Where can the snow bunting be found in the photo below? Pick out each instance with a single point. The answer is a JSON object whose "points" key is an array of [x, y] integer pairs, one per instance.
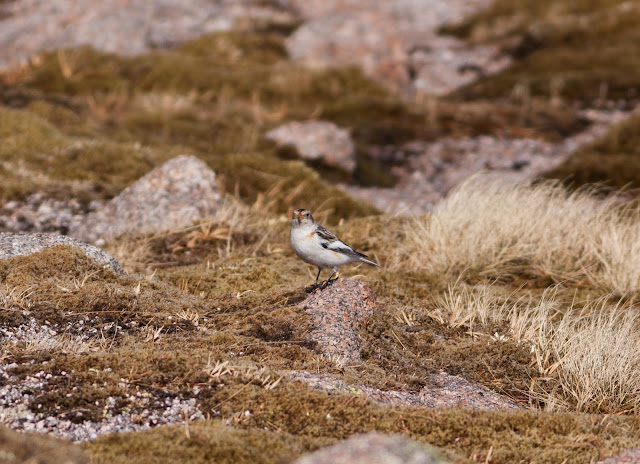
{"points": [[316, 245]]}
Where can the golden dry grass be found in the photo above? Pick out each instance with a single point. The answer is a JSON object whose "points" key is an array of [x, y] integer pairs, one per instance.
{"points": [[496, 229], [494, 233], [597, 348], [588, 351]]}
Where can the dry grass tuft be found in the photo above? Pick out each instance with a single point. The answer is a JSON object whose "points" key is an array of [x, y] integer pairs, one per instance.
{"points": [[232, 225], [262, 376], [466, 305], [588, 351], [617, 251], [499, 230], [15, 298], [597, 352]]}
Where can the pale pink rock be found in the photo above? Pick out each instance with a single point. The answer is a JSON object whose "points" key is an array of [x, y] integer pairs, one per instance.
{"points": [[318, 140], [176, 194], [338, 312], [374, 448], [362, 38]]}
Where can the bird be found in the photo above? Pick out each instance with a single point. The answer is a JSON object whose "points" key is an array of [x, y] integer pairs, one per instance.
{"points": [[316, 245]]}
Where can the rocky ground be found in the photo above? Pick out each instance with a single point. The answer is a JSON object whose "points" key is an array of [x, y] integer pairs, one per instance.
{"points": [[205, 327]]}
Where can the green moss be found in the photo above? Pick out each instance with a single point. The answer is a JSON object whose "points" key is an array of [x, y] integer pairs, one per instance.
{"points": [[585, 49], [613, 160], [291, 183], [57, 262], [208, 441], [51, 160], [293, 419], [217, 96], [44, 157]]}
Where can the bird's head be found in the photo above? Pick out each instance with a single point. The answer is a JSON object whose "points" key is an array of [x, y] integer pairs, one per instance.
{"points": [[301, 217]]}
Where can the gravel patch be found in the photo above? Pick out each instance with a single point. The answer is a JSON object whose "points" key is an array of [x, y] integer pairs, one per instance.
{"points": [[39, 214], [143, 409], [16, 395]]}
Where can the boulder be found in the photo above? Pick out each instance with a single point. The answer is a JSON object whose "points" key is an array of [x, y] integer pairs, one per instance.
{"points": [[176, 194], [338, 311], [375, 448], [362, 38], [25, 244], [318, 140], [35, 448]]}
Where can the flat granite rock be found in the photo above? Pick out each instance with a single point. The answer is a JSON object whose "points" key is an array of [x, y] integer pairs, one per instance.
{"points": [[375, 448], [442, 390], [318, 140], [25, 244]]}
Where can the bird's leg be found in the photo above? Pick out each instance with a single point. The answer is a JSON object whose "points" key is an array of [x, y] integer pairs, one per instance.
{"points": [[315, 284], [328, 281]]}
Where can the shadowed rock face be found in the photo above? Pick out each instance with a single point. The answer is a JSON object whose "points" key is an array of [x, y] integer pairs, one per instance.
{"points": [[338, 311], [25, 244], [176, 194], [374, 448]]}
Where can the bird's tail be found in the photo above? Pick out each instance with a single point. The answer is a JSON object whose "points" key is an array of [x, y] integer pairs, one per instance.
{"points": [[364, 260]]}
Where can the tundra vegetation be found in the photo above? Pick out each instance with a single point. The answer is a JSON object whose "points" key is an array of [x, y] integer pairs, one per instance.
{"points": [[530, 291]]}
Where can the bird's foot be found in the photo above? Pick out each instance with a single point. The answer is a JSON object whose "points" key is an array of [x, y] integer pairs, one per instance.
{"points": [[327, 282]]}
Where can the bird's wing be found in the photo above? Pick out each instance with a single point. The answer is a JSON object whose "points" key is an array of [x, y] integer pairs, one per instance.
{"points": [[330, 241], [325, 235]]}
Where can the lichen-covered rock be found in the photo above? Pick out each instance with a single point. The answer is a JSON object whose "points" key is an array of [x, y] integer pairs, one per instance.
{"points": [[119, 27], [25, 244], [318, 140], [441, 390], [630, 457], [176, 194], [375, 448], [338, 311], [396, 43], [364, 38]]}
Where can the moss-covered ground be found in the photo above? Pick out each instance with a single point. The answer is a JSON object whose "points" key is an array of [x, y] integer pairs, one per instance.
{"points": [[579, 50], [164, 334], [614, 160], [84, 124], [573, 53], [72, 110]]}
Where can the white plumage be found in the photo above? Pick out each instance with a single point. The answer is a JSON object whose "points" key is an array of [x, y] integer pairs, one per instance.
{"points": [[316, 245]]}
